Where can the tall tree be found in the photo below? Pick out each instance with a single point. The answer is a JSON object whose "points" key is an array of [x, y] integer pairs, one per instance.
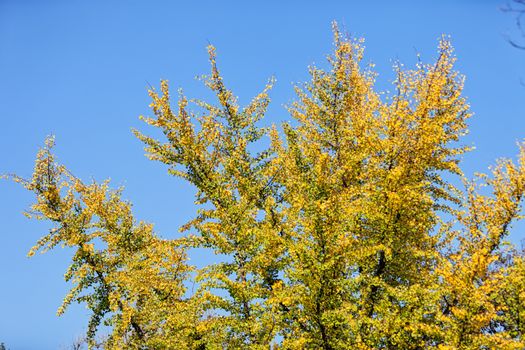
{"points": [[344, 231]]}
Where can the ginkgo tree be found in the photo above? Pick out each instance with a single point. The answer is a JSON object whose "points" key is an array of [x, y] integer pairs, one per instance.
{"points": [[345, 229]]}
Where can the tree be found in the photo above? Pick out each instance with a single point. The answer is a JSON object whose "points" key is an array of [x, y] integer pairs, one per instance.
{"points": [[345, 232], [517, 7]]}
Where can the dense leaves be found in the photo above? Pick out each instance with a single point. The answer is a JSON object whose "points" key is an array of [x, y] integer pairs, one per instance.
{"points": [[344, 231]]}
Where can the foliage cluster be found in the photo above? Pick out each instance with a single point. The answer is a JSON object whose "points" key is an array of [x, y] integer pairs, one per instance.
{"points": [[346, 232]]}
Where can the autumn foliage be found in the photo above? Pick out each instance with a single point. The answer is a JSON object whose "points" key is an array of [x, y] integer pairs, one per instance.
{"points": [[348, 230]]}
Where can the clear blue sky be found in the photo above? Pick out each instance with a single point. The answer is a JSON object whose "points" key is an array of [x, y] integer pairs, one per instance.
{"points": [[80, 69]]}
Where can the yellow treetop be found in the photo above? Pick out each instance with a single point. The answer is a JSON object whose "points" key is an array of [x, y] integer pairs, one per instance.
{"points": [[343, 229]]}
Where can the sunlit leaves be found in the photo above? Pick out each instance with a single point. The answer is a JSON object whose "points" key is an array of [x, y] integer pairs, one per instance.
{"points": [[344, 229]]}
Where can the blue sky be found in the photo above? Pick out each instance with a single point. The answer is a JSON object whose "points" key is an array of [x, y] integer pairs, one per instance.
{"points": [[80, 70]]}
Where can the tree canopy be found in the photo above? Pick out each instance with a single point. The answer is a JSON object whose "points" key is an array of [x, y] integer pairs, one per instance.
{"points": [[344, 229]]}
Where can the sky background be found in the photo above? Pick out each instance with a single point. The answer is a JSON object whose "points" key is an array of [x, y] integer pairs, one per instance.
{"points": [[80, 70]]}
